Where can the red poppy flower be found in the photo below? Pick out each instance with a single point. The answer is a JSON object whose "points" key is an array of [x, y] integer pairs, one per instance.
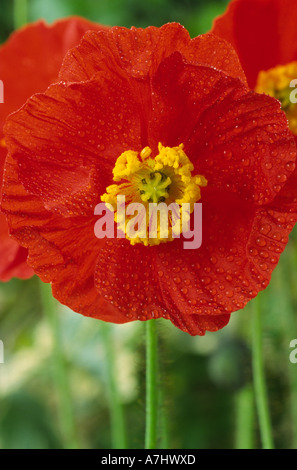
{"points": [[264, 35], [30, 62], [139, 111]]}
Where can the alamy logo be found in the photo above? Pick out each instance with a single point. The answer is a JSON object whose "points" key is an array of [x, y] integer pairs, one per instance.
{"points": [[1, 92], [293, 354], [293, 94], [150, 222], [1, 352]]}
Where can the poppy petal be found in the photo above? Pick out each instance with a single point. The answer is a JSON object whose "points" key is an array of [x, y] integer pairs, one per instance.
{"points": [[131, 281], [68, 160], [55, 253], [263, 33], [32, 56], [199, 324], [238, 139], [241, 247], [138, 52], [136, 286], [13, 257], [30, 61]]}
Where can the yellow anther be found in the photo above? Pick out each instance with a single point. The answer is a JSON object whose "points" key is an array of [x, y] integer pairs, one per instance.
{"points": [[126, 165], [276, 82], [167, 178], [145, 153]]}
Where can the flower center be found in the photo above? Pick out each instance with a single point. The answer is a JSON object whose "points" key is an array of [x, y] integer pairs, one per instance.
{"points": [[154, 187], [276, 82], [166, 179]]}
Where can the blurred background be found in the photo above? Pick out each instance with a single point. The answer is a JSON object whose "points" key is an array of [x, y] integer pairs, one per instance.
{"points": [[55, 385]]}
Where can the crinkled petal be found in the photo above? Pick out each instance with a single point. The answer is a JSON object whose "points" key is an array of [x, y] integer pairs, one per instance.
{"points": [[138, 52], [32, 57], [67, 140], [62, 250], [199, 289], [263, 33], [199, 324], [13, 258], [131, 281], [237, 139], [134, 283], [240, 249], [30, 61]]}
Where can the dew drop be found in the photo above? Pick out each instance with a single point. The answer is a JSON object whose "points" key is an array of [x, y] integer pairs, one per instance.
{"points": [[265, 229]]}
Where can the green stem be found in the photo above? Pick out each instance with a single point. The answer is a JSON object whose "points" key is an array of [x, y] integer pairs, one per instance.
{"points": [[20, 13], [244, 419], [259, 379], [287, 270], [163, 395], [118, 435], [151, 385], [164, 442], [67, 421]]}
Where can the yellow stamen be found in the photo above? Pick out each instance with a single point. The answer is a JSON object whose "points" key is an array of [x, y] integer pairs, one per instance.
{"points": [[167, 178], [276, 82]]}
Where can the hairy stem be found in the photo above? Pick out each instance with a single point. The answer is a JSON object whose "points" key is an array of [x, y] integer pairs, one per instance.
{"points": [[244, 418], [118, 434], [151, 385], [60, 376], [259, 379]]}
